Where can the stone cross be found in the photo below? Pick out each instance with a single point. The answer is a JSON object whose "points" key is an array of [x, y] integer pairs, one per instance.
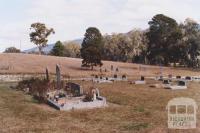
{"points": [[47, 74], [58, 77]]}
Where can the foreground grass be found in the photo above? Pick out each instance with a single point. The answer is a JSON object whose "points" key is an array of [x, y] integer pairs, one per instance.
{"points": [[132, 109]]}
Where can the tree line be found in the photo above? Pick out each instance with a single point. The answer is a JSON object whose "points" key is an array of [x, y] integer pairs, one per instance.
{"points": [[165, 42]]}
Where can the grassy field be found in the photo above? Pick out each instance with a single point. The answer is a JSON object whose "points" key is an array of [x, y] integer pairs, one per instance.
{"points": [[36, 64], [131, 109]]}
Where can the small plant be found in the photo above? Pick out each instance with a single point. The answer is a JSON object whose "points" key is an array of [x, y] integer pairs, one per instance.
{"points": [[136, 126], [140, 109]]}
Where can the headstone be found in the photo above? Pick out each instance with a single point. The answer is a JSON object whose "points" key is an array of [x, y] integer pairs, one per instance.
{"points": [[160, 78], [112, 68], [181, 83], [124, 77], [188, 78], [58, 77], [97, 92], [105, 70], [96, 77], [47, 74], [166, 82], [75, 89], [117, 69], [142, 78]]}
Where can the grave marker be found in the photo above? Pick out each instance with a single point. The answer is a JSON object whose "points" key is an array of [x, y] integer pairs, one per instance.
{"points": [[47, 74], [58, 77]]}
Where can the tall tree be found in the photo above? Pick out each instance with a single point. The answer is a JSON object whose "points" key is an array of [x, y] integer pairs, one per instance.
{"points": [[191, 41], [58, 49], [92, 48], [163, 33], [39, 34]]}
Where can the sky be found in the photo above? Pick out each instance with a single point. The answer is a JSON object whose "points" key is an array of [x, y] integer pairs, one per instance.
{"points": [[70, 18]]}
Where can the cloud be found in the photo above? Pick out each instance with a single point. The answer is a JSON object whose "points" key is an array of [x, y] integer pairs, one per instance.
{"points": [[70, 18]]}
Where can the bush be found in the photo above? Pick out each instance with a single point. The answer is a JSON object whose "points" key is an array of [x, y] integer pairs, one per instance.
{"points": [[36, 87]]}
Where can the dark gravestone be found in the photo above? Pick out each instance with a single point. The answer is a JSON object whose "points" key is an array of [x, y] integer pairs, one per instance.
{"points": [[160, 78], [142, 78], [117, 69], [58, 77], [123, 76], [181, 83], [165, 81], [47, 74], [75, 89], [105, 70], [96, 76], [188, 78]]}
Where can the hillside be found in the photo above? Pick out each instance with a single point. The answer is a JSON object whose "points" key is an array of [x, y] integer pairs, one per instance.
{"points": [[31, 64]]}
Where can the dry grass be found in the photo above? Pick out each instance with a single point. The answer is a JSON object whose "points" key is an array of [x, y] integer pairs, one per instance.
{"points": [[132, 109], [34, 64]]}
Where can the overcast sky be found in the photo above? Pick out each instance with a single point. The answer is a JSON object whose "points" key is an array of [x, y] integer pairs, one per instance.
{"points": [[70, 18]]}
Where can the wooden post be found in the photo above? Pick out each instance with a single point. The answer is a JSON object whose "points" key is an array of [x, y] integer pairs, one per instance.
{"points": [[47, 74]]}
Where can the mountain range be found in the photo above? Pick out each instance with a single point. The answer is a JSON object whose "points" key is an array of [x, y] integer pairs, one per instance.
{"points": [[49, 47]]}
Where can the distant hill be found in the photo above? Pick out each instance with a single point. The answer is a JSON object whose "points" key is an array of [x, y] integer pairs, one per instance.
{"points": [[34, 64], [49, 47]]}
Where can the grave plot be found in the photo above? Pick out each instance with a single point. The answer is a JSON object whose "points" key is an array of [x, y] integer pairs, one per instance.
{"points": [[196, 78], [166, 84], [181, 85], [73, 97], [139, 82]]}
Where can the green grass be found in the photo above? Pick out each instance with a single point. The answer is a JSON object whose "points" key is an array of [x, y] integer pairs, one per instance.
{"points": [[135, 126]]}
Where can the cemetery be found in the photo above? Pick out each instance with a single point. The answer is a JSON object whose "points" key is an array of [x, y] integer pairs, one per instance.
{"points": [[82, 100], [102, 100], [100, 66]]}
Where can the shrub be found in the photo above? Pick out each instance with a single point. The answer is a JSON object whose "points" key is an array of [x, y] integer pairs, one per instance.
{"points": [[37, 87]]}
